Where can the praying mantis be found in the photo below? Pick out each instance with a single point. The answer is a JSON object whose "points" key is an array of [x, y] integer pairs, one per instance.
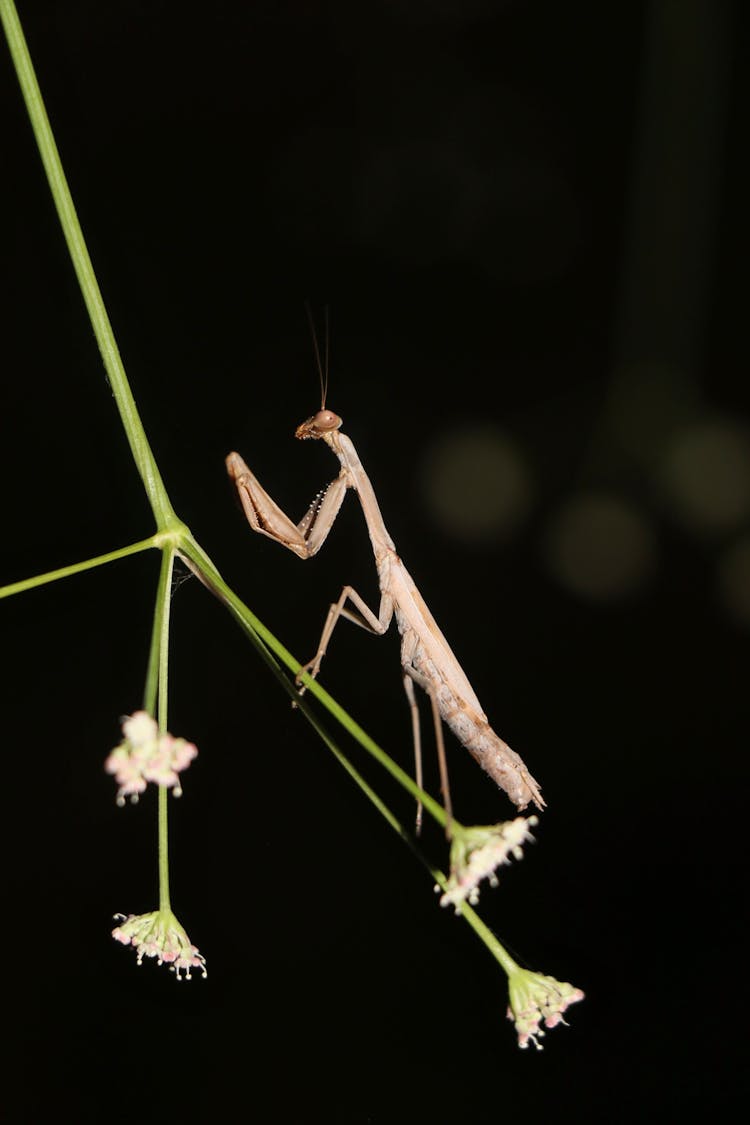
{"points": [[426, 658]]}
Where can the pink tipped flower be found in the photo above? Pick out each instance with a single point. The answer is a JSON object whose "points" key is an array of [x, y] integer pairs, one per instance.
{"points": [[535, 998], [477, 852], [145, 755], [160, 935]]}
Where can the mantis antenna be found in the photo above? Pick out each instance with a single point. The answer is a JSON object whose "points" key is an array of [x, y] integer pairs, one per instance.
{"points": [[322, 368]]}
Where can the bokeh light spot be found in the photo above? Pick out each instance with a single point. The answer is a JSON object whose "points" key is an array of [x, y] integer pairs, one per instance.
{"points": [[600, 547], [705, 476], [475, 483]]}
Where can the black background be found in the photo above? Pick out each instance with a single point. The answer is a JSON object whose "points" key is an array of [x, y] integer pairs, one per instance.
{"points": [[480, 192]]}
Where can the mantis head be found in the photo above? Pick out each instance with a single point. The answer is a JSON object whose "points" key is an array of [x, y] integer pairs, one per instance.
{"points": [[320, 425]]}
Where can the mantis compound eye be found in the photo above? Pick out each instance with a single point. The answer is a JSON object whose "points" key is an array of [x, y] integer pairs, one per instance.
{"points": [[326, 420], [321, 423]]}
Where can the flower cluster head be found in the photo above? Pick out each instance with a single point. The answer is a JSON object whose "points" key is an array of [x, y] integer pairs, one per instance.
{"points": [[160, 935], [535, 998], [477, 852], [146, 755]]}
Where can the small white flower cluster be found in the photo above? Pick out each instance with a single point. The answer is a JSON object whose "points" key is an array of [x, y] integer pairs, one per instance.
{"points": [[477, 852], [145, 755], [535, 998], [160, 935]]}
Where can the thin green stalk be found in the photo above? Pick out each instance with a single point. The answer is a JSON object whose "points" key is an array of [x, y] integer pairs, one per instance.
{"points": [[139, 446], [163, 834], [161, 613], [164, 605], [157, 683], [163, 608], [76, 568]]}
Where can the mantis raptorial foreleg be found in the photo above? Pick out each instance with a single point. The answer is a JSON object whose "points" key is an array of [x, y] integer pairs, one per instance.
{"points": [[264, 514]]}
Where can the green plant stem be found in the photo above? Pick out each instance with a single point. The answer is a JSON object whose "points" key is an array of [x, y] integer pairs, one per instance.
{"points": [[164, 605], [76, 568], [163, 838], [139, 446], [161, 613], [155, 701]]}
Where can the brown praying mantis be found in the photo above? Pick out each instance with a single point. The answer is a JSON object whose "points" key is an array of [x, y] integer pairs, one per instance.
{"points": [[426, 658]]}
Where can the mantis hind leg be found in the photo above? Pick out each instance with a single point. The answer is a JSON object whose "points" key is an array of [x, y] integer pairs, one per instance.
{"points": [[411, 677], [417, 740]]}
